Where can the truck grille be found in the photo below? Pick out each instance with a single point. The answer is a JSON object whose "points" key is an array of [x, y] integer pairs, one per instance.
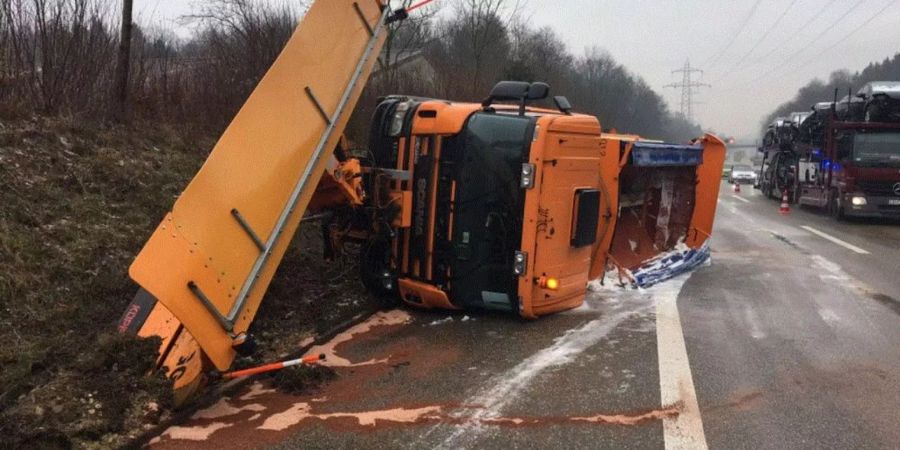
{"points": [[889, 210], [876, 187]]}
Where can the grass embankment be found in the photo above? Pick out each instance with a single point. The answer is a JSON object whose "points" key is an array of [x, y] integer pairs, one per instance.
{"points": [[76, 205]]}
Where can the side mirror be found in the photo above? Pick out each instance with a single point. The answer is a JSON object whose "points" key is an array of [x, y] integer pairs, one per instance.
{"points": [[508, 90], [563, 104], [538, 91], [518, 91]]}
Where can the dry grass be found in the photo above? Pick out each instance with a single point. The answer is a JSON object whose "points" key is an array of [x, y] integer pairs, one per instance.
{"points": [[77, 202]]}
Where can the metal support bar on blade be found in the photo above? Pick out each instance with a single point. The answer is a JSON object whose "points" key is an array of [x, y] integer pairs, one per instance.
{"points": [[227, 324], [246, 226], [315, 102], [316, 217], [362, 17], [253, 276]]}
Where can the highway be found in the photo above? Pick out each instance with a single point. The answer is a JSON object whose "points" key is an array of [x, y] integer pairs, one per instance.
{"points": [[789, 338]]}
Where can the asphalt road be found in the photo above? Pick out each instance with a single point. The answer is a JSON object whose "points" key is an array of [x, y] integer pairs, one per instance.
{"points": [[790, 338]]}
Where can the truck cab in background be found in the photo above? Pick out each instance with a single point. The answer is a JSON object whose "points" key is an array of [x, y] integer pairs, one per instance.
{"points": [[856, 172]]}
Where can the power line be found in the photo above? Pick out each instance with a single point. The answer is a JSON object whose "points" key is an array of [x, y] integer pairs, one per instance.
{"points": [[802, 27], [791, 59], [734, 37], [855, 30], [765, 35], [688, 87]]}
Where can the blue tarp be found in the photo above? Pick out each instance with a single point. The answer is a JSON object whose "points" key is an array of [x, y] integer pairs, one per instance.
{"points": [[670, 265]]}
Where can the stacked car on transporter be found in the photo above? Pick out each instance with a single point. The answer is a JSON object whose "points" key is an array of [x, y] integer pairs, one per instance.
{"points": [[844, 156], [780, 156]]}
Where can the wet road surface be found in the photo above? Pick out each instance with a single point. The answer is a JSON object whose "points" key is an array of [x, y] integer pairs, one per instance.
{"points": [[788, 339]]}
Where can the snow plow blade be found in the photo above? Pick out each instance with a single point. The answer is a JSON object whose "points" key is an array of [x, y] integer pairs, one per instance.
{"points": [[205, 269], [666, 206]]}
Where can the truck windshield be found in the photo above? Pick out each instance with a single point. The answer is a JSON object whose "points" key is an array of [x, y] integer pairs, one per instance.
{"points": [[487, 213], [877, 149]]}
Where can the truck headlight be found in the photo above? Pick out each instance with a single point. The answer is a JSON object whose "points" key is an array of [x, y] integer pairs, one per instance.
{"points": [[520, 263], [858, 201], [527, 181], [399, 118]]}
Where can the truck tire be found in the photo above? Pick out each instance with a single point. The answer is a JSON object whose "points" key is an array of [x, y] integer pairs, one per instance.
{"points": [[376, 275], [835, 208], [769, 190]]}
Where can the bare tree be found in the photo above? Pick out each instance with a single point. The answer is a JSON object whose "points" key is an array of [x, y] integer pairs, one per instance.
{"points": [[471, 48], [405, 39], [60, 56], [124, 62], [60, 52], [540, 55], [238, 42]]}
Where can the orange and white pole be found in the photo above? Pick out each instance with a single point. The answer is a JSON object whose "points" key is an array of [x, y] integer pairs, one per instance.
{"points": [[311, 359]]}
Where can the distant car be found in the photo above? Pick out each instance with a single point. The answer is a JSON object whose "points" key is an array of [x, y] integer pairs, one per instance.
{"points": [[742, 174]]}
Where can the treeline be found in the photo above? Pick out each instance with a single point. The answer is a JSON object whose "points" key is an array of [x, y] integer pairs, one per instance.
{"points": [[842, 80], [59, 57]]}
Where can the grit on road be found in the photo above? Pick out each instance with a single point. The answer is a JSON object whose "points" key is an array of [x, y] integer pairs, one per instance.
{"points": [[790, 338]]}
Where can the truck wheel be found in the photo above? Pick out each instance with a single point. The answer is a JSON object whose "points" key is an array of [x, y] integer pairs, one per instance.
{"points": [[376, 274], [835, 208]]}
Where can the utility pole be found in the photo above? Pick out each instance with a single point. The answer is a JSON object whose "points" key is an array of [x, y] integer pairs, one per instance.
{"points": [[124, 63], [688, 88]]}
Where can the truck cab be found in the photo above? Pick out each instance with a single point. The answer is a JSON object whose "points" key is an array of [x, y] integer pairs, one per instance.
{"points": [[858, 171], [512, 207]]}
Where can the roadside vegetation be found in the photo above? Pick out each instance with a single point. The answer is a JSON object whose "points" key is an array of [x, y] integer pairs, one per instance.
{"points": [[84, 179]]}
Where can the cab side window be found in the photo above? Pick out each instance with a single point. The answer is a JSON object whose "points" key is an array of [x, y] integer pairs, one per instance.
{"points": [[844, 147]]}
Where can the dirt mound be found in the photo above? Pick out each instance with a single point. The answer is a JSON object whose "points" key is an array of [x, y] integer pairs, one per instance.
{"points": [[77, 202], [298, 379]]}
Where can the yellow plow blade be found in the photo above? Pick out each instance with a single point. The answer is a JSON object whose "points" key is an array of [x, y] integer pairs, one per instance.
{"points": [[211, 259]]}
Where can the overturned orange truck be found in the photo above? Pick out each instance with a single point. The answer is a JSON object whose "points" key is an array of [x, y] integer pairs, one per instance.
{"points": [[499, 205]]}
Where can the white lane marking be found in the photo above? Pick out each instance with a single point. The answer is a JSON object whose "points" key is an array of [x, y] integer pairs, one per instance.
{"points": [[837, 241], [676, 384], [741, 199]]}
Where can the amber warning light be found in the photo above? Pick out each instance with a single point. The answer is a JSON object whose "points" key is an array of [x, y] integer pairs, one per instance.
{"points": [[548, 283]]}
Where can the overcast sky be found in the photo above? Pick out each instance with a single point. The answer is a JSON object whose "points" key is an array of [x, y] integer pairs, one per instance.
{"points": [[751, 72]]}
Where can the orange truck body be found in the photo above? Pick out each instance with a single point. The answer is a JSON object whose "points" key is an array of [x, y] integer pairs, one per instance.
{"points": [[588, 206], [570, 155]]}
